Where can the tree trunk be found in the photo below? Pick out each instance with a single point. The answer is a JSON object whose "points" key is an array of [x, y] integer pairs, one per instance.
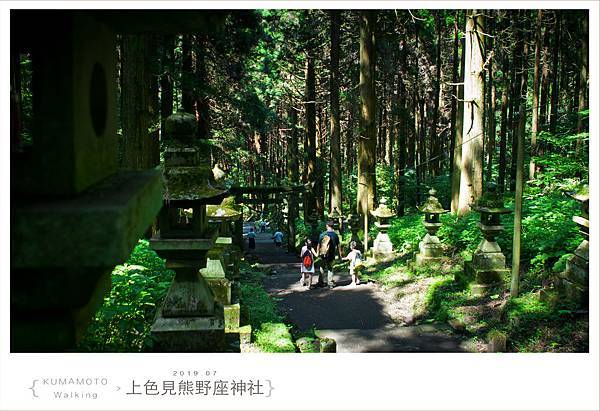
{"points": [[368, 127], [583, 78], [517, 60], [292, 175], [166, 80], [201, 95], [535, 108], [402, 128], [543, 115], [472, 149], [335, 171], [187, 92], [555, 73], [457, 115], [491, 107], [140, 146], [516, 250], [503, 127], [310, 149], [435, 139]]}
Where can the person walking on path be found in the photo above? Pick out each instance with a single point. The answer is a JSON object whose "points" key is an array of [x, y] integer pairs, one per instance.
{"points": [[307, 265], [355, 258], [278, 237], [328, 248], [251, 239]]}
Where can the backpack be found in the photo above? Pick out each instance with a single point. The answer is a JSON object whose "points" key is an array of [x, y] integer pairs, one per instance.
{"points": [[307, 259], [326, 247]]}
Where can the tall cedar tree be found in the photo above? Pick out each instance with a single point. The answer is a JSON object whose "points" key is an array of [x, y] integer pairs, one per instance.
{"points": [[519, 180], [472, 148], [335, 170], [139, 102], [368, 114]]}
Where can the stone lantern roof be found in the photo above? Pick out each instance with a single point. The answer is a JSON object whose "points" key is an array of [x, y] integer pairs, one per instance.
{"points": [[227, 210], [432, 204], [491, 202], [383, 211]]}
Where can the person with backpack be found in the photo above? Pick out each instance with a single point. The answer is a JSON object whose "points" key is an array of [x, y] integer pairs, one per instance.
{"points": [[328, 248], [251, 239], [307, 264], [278, 238], [355, 258]]}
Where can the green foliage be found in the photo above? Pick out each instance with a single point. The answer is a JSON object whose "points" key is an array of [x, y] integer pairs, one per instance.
{"points": [[534, 326], [122, 324], [274, 337], [257, 306], [406, 232], [259, 310]]}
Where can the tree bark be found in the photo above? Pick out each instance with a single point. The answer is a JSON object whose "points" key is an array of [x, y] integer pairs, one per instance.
{"points": [[517, 60], [472, 149], [545, 83], [335, 171], [583, 78], [535, 108], [516, 250], [293, 177], [491, 107], [368, 127], [166, 80], [201, 96], [435, 139], [503, 127], [310, 139], [140, 146], [457, 123], [555, 72], [187, 92], [402, 129]]}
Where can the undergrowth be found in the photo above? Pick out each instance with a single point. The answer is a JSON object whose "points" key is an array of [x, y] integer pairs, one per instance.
{"points": [[270, 332]]}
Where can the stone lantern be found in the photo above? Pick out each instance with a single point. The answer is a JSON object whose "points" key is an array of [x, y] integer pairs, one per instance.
{"points": [[572, 284], [222, 263], [382, 246], [353, 222], [336, 217], [487, 269], [189, 320], [430, 248], [313, 221]]}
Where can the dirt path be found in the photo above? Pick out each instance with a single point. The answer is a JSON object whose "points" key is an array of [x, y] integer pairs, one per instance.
{"points": [[361, 319]]}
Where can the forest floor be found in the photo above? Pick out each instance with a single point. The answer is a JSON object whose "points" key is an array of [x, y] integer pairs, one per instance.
{"points": [[363, 318]]}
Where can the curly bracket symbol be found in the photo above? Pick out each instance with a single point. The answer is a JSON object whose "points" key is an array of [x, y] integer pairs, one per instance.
{"points": [[32, 388], [271, 388]]}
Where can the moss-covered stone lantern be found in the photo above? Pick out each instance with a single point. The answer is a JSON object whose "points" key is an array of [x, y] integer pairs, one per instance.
{"points": [[487, 269], [190, 319], [430, 248], [572, 284], [222, 262], [382, 246]]}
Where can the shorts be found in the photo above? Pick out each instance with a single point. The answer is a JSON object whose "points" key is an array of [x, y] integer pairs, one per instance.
{"points": [[277, 243]]}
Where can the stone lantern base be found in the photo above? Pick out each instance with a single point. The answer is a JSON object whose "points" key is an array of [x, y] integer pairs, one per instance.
{"points": [[190, 334], [572, 285], [220, 274], [430, 251], [382, 246], [487, 269]]}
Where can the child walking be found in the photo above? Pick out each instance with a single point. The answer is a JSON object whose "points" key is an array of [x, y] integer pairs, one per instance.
{"points": [[355, 258], [307, 265]]}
